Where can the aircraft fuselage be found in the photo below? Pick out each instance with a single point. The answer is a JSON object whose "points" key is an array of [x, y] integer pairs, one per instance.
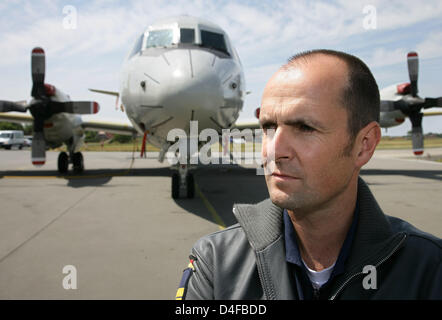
{"points": [[165, 86]]}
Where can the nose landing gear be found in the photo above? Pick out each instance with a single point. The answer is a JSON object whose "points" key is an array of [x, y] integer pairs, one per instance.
{"points": [[183, 183]]}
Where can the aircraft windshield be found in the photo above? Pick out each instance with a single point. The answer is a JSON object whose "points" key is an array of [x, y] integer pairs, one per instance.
{"points": [[187, 35], [137, 46], [159, 38], [213, 40]]}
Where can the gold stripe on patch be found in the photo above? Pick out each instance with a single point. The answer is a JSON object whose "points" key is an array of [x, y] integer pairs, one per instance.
{"points": [[179, 294]]}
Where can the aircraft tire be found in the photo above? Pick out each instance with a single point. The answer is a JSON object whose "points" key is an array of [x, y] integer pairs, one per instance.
{"points": [[63, 162], [77, 160], [175, 186]]}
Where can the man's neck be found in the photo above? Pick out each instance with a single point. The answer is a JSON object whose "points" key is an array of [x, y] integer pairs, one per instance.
{"points": [[322, 232]]}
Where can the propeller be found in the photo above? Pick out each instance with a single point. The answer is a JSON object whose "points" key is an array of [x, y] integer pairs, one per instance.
{"points": [[43, 106], [412, 105], [38, 109]]}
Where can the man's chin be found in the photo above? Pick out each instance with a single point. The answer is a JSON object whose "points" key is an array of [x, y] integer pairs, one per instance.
{"points": [[281, 199], [293, 200]]}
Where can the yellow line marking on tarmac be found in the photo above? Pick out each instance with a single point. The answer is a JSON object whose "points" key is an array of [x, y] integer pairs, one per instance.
{"points": [[215, 215]]}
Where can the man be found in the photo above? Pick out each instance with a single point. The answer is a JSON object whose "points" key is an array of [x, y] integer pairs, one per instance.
{"points": [[321, 235]]}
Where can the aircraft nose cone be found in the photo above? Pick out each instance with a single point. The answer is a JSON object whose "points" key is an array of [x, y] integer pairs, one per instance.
{"points": [[194, 83], [179, 85]]}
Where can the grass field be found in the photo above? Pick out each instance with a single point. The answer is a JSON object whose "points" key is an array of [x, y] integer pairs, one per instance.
{"points": [[404, 143], [386, 143]]}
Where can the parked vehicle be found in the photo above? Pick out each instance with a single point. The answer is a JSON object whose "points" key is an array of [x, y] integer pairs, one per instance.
{"points": [[28, 141], [10, 138]]}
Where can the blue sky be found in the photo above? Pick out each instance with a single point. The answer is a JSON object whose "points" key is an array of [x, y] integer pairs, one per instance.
{"points": [[265, 34]]}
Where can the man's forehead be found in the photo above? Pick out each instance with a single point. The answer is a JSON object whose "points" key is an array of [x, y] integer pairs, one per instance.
{"points": [[279, 107], [318, 69], [287, 75], [318, 82]]}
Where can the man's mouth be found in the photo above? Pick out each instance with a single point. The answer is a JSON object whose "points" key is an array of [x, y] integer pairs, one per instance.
{"points": [[283, 176]]}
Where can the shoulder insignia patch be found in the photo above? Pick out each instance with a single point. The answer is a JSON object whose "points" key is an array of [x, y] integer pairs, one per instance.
{"points": [[187, 273]]}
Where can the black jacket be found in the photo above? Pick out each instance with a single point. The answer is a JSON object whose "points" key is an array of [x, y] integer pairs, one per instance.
{"points": [[247, 260]]}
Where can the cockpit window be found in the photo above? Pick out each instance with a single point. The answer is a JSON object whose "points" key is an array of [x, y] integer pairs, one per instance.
{"points": [[159, 38], [187, 35], [213, 40], [137, 46]]}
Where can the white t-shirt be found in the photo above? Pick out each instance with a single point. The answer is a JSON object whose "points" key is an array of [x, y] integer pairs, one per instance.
{"points": [[319, 278]]}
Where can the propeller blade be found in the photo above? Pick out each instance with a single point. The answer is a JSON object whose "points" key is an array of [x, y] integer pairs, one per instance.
{"points": [[417, 139], [38, 152], [417, 136], [413, 70], [80, 107], [38, 66], [8, 106], [77, 107], [433, 102]]}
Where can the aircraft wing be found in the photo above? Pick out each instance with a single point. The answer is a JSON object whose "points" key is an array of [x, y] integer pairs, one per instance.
{"points": [[109, 126], [93, 125], [16, 117], [433, 112]]}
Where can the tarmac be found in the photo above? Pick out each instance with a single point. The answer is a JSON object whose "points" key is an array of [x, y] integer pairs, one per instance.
{"points": [[126, 238]]}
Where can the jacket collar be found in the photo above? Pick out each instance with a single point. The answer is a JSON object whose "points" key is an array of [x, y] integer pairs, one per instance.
{"points": [[261, 222]]}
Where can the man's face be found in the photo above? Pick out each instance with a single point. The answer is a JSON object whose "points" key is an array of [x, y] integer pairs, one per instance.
{"points": [[302, 107]]}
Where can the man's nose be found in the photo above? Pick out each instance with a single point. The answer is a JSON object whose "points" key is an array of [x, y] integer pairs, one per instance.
{"points": [[279, 144]]}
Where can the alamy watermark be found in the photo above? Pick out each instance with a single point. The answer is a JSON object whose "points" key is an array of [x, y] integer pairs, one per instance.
{"points": [[70, 280], [370, 21], [70, 19], [244, 146], [370, 281]]}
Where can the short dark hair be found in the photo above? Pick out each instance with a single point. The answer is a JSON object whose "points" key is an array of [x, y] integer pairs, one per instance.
{"points": [[361, 95]]}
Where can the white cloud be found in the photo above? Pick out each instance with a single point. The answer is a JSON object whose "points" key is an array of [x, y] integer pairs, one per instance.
{"points": [[384, 57], [431, 46]]}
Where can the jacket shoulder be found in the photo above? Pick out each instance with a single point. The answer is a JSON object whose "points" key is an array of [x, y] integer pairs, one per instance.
{"points": [[417, 238], [215, 242], [220, 260]]}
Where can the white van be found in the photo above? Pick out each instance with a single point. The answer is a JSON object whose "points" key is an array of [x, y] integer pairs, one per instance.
{"points": [[10, 138]]}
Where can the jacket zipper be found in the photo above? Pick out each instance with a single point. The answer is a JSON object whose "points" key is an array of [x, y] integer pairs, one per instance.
{"points": [[376, 266], [264, 281]]}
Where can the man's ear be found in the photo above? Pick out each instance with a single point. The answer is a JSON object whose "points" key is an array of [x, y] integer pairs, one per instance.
{"points": [[366, 142]]}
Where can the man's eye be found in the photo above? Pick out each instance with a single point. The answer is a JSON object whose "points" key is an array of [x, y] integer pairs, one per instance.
{"points": [[306, 128], [267, 126]]}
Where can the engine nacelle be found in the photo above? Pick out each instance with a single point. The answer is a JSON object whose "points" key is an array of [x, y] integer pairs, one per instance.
{"points": [[391, 119], [59, 128]]}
